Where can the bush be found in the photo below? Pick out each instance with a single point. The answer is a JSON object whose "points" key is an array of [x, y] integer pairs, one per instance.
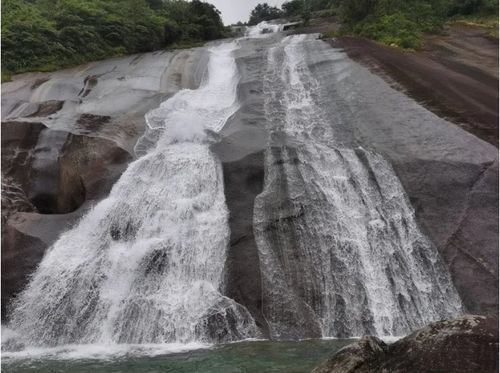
{"points": [[394, 29], [396, 22]]}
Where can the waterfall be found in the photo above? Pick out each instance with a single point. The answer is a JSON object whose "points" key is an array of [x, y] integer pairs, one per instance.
{"points": [[340, 251], [145, 265], [263, 28]]}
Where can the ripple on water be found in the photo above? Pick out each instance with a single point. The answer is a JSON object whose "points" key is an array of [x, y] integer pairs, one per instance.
{"points": [[246, 356]]}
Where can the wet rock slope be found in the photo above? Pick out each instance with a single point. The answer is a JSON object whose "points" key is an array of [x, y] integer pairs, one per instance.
{"points": [[341, 207]]}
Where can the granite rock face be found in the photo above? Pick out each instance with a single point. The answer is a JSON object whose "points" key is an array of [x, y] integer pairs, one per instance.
{"points": [[468, 344], [448, 174], [67, 136]]}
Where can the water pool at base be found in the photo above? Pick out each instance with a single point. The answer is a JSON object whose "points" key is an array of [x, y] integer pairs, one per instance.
{"points": [[247, 357]]}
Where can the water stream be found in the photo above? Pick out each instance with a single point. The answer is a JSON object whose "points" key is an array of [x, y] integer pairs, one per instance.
{"points": [[145, 265], [340, 252], [339, 246]]}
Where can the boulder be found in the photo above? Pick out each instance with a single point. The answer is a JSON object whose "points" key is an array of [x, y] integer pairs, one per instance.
{"points": [[468, 344]]}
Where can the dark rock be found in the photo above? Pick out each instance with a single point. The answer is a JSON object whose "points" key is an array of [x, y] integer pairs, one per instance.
{"points": [[468, 344], [93, 122], [355, 356], [222, 325], [457, 206], [18, 141], [47, 172], [90, 165], [47, 108], [21, 254], [243, 181], [241, 152]]}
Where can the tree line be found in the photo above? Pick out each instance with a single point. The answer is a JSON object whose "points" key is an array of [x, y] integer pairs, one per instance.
{"points": [[43, 35], [393, 22], [264, 12], [402, 22]]}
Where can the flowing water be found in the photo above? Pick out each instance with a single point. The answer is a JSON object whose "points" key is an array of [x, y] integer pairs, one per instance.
{"points": [[145, 265], [142, 273], [241, 357], [339, 247]]}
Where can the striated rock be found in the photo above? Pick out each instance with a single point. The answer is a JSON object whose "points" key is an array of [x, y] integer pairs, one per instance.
{"points": [[454, 75], [468, 344], [243, 180], [240, 150], [449, 175], [457, 206]]}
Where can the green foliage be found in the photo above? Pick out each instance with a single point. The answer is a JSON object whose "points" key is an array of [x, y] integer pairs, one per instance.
{"points": [[469, 7], [402, 22], [264, 12], [487, 22], [394, 29], [305, 8], [306, 13], [50, 34], [330, 35], [292, 8], [300, 7], [354, 11]]}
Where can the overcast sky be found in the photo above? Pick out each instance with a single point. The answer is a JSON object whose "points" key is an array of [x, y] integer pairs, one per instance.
{"points": [[239, 10]]}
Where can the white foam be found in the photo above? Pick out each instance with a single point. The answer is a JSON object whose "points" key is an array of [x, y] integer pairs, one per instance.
{"points": [[145, 265], [263, 29], [102, 351], [364, 266]]}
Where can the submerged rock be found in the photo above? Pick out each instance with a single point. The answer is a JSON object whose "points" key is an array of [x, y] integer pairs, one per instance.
{"points": [[463, 345]]}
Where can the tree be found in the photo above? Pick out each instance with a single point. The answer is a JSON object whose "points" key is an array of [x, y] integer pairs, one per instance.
{"points": [[49, 34], [292, 8], [264, 12]]}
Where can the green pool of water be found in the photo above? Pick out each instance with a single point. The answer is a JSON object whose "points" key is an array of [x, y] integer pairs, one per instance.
{"points": [[247, 357]]}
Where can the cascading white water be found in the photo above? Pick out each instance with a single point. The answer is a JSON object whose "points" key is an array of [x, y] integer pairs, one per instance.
{"points": [[145, 265], [340, 251], [339, 246], [263, 28]]}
